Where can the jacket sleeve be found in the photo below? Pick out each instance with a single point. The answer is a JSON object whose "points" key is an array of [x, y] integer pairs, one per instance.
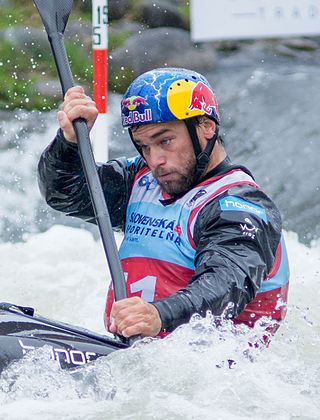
{"points": [[62, 182], [235, 252]]}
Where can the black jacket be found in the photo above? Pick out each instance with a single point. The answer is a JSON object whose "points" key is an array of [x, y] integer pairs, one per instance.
{"points": [[229, 266]]}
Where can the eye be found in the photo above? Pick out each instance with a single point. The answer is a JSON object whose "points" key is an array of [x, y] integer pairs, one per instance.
{"points": [[166, 141]]}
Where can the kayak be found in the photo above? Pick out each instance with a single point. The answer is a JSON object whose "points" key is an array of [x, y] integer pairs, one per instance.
{"points": [[21, 331]]}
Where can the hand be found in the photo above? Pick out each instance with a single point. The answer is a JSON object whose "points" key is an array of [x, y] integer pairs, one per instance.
{"points": [[134, 316], [76, 104]]}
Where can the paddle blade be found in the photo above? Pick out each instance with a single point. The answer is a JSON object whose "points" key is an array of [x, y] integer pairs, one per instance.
{"points": [[54, 14]]}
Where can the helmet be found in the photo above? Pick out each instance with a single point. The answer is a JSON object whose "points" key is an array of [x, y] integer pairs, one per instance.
{"points": [[171, 94], [168, 94]]}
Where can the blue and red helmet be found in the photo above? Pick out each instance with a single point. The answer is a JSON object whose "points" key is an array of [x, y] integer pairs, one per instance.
{"points": [[172, 94], [168, 94]]}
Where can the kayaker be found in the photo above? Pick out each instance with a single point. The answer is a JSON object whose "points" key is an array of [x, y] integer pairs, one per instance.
{"points": [[199, 233]]}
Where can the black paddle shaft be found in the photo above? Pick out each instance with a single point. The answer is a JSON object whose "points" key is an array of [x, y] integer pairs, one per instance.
{"points": [[55, 14]]}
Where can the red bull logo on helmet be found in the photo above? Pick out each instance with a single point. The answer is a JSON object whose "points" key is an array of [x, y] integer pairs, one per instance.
{"points": [[134, 116], [187, 99], [203, 99], [132, 102]]}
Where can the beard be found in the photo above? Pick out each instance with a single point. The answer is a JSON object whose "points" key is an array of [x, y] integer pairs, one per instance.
{"points": [[184, 179]]}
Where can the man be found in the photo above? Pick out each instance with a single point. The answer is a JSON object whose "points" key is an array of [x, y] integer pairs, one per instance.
{"points": [[199, 233]]}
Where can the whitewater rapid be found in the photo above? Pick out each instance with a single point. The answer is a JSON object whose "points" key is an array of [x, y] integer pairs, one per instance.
{"points": [[63, 274]]}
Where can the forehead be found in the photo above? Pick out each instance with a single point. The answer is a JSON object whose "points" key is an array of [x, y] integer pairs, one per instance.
{"points": [[150, 132]]}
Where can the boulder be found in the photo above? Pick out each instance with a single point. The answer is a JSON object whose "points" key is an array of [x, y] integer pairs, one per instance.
{"points": [[159, 47], [84, 5], [303, 44], [49, 88], [79, 32], [117, 9], [160, 13], [25, 38]]}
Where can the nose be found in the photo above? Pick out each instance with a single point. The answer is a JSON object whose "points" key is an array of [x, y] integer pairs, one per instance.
{"points": [[155, 157]]}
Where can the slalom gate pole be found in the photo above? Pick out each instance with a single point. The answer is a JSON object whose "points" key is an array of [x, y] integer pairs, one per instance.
{"points": [[100, 77]]}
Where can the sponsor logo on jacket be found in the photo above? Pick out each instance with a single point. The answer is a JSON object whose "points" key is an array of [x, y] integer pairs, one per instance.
{"points": [[153, 227], [232, 203], [248, 228], [148, 182], [193, 200]]}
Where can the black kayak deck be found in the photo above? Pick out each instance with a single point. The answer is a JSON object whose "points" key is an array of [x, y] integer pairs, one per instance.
{"points": [[21, 331]]}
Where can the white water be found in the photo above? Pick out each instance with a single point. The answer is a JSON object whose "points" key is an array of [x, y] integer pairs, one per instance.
{"points": [[62, 273]]}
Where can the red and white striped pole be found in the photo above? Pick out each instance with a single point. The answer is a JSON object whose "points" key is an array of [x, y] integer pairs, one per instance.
{"points": [[100, 76]]}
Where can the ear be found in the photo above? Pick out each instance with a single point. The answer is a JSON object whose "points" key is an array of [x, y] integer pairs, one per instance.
{"points": [[208, 128]]}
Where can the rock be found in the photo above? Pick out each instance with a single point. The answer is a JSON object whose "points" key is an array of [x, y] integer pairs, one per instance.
{"points": [[32, 39], [159, 47], [84, 5], [36, 40], [117, 9], [285, 51], [125, 26], [160, 13], [228, 46], [49, 88], [300, 44], [80, 33]]}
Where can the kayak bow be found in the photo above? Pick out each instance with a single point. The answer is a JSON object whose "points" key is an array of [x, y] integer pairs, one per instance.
{"points": [[21, 331]]}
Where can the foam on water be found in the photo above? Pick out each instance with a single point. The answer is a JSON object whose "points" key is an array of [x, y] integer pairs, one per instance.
{"points": [[23, 137], [63, 274]]}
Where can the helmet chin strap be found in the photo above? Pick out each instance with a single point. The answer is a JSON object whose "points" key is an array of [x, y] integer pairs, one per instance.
{"points": [[202, 156]]}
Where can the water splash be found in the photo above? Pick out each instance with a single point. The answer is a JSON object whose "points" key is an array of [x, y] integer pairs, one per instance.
{"points": [[185, 376]]}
